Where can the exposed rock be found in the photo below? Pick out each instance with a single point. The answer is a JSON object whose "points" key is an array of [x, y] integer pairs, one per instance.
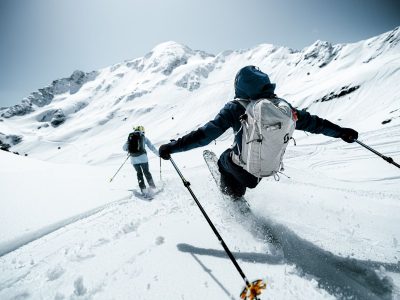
{"points": [[47, 115], [136, 94], [174, 64], [191, 81], [79, 287], [136, 64], [79, 78], [45, 95], [109, 117], [342, 92], [19, 109], [15, 139], [384, 42], [79, 106], [7, 141], [4, 147], [58, 118], [115, 67], [320, 53]]}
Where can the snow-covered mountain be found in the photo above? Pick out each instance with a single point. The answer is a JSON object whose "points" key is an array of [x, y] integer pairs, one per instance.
{"points": [[346, 83], [66, 232]]}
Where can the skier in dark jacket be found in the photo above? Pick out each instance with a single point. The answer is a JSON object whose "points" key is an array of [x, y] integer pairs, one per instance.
{"points": [[250, 84]]}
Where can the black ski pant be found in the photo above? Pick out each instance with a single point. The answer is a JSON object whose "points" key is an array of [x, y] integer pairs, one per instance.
{"points": [[144, 169], [234, 179]]}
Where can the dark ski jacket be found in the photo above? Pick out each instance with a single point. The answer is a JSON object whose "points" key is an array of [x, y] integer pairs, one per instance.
{"points": [[229, 117], [250, 84]]}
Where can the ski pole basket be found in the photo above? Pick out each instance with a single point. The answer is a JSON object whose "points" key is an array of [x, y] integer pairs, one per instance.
{"points": [[251, 291]]}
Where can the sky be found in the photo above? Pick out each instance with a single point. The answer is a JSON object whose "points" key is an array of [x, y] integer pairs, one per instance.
{"points": [[43, 40]]}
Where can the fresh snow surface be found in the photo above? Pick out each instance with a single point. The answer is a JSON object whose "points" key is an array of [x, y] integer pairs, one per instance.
{"points": [[67, 232]]}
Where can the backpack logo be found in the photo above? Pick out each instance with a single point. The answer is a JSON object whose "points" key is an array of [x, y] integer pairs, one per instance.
{"points": [[286, 138]]}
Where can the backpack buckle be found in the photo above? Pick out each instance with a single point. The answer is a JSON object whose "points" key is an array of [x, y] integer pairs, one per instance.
{"points": [[243, 118]]}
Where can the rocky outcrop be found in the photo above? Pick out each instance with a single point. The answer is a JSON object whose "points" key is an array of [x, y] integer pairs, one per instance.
{"points": [[45, 95], [337, 94], [191, 81], [58, 118], [53, 116], [321, 53], [7, 141]]}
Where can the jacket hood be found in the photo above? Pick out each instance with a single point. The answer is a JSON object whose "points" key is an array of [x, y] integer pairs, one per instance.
{"points": [[251, 83]]}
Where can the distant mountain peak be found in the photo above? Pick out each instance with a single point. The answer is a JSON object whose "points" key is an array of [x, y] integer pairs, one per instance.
{"points": [[167, 56], [170, 46]]}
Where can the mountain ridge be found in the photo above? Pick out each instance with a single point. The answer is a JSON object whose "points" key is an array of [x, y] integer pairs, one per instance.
{"points": [[345, 83]]}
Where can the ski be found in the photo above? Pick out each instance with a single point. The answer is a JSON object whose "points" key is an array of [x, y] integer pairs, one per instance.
{"points": [[148, 195], [211, 160]]}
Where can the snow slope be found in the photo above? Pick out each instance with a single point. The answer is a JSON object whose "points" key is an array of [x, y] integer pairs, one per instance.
{"points": [[66, 232]]}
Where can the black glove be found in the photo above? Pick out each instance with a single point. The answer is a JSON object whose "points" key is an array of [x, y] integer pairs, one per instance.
{"points": [[165, 151], [348, 135]]}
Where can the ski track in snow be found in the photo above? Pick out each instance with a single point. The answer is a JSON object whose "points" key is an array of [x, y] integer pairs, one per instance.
{"points": [[9, 246], [68, 241], [71, 243]]}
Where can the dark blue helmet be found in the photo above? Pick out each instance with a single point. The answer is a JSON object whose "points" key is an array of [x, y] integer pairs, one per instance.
{"points": [[251, 83]]}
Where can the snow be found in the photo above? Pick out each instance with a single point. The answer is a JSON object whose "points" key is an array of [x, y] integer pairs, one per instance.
{"points": [[67, 232], [46, 196]]}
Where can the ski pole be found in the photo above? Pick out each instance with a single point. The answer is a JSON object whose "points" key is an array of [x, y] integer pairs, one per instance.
{"points": [[252, 290], [388, 159], [120, 168]]}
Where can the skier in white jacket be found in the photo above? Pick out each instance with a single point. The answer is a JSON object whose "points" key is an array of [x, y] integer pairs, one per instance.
{"points": [[135, 145]]}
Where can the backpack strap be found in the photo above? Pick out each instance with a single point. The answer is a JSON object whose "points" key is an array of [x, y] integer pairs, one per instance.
{"points": [[242, 102], [243, 118]]}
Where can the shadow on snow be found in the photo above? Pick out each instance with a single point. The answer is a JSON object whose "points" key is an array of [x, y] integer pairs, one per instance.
{"points": [[346, 278]]}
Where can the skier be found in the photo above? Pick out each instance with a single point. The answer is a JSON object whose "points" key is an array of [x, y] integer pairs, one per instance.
{"points": [[135, 145], [250, 84]]}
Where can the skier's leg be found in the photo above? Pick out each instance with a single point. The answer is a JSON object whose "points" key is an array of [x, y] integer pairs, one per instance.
{"points": [[234, 176], [147, 173], [230, 186], [140, 178]]}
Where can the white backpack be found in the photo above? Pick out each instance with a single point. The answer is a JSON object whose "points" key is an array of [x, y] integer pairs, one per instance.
{"points": [[267, 125]]}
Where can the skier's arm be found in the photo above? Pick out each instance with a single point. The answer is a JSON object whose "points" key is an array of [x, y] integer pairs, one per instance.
{"points": [[205, 134], [315, 124], [151, 146]]}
